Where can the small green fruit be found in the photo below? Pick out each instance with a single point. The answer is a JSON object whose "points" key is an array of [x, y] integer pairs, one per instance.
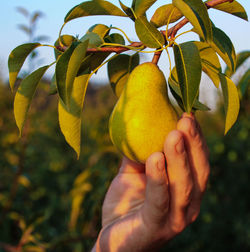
{"points": [[143, 115]]}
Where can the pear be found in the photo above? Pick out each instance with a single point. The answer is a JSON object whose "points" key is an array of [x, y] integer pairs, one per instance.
{"points": [[143, 116]]}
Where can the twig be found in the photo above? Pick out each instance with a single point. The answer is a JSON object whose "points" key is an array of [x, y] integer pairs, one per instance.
{"points": [[173, 30], [170, 33]]}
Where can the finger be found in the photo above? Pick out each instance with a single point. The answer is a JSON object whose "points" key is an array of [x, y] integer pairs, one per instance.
{"points": [[180, 180], [129, 166], [198, 128], [157, 195], [198, 159]]}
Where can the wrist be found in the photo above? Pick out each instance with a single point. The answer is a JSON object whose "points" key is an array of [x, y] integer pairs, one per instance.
{"points": [[119, 237]]}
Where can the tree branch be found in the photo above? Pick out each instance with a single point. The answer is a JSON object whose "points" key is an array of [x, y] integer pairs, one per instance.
{"points": [[173, 30], [170, 33]]}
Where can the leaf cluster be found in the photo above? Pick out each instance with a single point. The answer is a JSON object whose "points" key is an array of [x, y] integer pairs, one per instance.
{"points": [[77, 59]]}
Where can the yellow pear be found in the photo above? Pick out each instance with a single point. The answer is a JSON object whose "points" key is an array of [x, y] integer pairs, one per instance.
{"points": [[143, 116]]}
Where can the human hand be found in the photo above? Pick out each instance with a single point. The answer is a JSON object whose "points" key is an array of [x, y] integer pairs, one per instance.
{"points": [[146, 206]]}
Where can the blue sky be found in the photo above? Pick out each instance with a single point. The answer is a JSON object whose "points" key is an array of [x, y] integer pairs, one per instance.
{"points": [[237, 29]]}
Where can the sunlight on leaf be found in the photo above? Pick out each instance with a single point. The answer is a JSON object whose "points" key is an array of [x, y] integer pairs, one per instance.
{"points": [[17, 58], [223, 45], [73, 66], [25, 94], [89, 8], [233, 8], [100, 29], [210, 62], [119, 70], [176, 92], [188, 66], [66, 40], [141, 6], [240, 59], [196, 12], [127, 10], [148, 33], [70, 118], [162, 14], [231, 101]]}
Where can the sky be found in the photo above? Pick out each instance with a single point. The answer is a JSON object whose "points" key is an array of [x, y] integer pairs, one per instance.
{"points": [[54, 12]]}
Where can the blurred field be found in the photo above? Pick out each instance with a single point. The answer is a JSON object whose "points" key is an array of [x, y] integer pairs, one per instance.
{"points": [[50, 201]]}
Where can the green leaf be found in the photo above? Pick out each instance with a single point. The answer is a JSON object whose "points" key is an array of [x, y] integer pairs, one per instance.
{"points": [[100, 29], [61, 71], [70, 118], [115, 38], [244, 83], [67, 68], [66, 40], [119, 70], [17, 58], [133, 4], [188, 66], [233, 8], [240, 59], [90, 8], [209, 61], [231, 101], [141, 6], [127, 10], [74, 64], [176, 92], [93, 60], [222, 44], [25, 94], [196, 12], [53, 86], [94, 40], [148, 34], [162, 15]]}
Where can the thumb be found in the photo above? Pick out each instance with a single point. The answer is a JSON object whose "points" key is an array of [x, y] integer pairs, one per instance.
{"points": [[157, 194]]}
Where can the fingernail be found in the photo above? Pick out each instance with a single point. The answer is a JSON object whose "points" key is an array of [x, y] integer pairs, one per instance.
{"points": [[180, 146]]}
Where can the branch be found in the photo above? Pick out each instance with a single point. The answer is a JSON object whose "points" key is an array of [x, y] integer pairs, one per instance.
{"points": [[173, 30], [170, 33]]}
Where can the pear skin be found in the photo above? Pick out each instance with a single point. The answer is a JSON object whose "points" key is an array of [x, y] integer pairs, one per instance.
{"points": [[143, 116]]}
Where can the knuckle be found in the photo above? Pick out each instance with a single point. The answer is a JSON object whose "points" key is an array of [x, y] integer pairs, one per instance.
{"points": [[161, 202], [193, 214], [187, 194], [205, 178], [178, 227]]}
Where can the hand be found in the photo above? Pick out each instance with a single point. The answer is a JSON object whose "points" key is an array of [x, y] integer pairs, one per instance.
{"points": [[146, 206]]}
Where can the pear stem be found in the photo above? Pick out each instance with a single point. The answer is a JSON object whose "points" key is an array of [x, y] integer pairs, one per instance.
{"points": [[156, 57]]}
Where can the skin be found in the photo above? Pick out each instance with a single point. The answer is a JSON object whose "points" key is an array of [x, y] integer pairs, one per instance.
{"points": [[146, 206]]}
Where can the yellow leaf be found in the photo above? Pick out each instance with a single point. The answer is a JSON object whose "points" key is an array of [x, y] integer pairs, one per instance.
{"points": [[70, 118], [231, 101]]}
